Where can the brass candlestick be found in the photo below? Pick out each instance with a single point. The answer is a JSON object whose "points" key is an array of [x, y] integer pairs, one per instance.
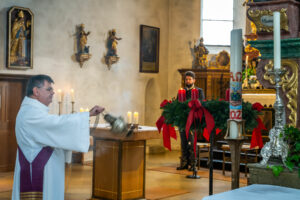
{"points": [[59, 108], [73, 110]]}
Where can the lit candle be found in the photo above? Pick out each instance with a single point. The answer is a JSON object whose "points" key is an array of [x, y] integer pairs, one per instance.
{"points": [[72, 95], [235, 105], [59, 95], [136, 118], [81, 110], [194, 94], [129, 117], [181, 95], [87, 110], [276, 31]]}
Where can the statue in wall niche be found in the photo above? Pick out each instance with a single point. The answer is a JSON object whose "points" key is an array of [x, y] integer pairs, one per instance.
{"points": [[200, 53], [112, 43], [83, 40], [111, 56], [82, 48], [20, 40]]}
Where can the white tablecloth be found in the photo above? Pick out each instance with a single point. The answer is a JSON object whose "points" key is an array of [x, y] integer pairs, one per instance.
{"points": [[258, 192], [141, 128]]}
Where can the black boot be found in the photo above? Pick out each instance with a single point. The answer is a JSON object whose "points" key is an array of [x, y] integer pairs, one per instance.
{"points": [[183, 164]]}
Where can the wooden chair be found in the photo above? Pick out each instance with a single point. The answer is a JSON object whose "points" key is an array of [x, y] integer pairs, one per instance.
{"points": [[203, 151]]}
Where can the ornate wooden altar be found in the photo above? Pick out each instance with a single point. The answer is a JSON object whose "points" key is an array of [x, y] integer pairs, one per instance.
{"points": [[119, 163], [213, 81]]}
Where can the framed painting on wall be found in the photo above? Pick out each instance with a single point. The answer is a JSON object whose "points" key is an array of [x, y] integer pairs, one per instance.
{"points": [[20, 38], [149, 49]]}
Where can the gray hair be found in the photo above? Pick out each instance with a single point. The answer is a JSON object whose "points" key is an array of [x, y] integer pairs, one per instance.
{"points": [[37, 81]]}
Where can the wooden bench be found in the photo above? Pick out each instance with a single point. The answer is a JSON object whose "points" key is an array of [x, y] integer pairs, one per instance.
{"points": [[244, 157]]}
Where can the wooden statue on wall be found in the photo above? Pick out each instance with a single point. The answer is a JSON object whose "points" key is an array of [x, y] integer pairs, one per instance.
{"points": [[111, 56], [83, 53], [20, 38], [200, 54]]}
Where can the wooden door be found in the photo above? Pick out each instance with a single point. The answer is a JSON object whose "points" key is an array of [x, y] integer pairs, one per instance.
{"points": [[12, 92]]}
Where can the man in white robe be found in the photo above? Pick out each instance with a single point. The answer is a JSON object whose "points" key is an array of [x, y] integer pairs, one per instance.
{"points": [[36, 129]]}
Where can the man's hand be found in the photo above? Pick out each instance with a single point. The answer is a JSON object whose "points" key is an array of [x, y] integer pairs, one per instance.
{"points": [[96, 110]]}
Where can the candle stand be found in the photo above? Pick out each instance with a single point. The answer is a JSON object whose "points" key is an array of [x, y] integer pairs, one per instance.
{"points": [[235, 151], [59, 108], [73, 110], [235, 145], [276, 147], [193, 159]]}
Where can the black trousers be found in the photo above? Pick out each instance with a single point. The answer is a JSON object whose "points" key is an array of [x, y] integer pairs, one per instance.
{"points": [[186, 148]]}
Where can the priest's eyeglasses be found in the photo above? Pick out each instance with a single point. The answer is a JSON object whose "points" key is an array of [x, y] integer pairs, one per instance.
{"points": [[49, 89]]}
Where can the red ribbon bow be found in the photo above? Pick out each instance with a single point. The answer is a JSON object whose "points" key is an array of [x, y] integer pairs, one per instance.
{"points": [[168, 130], [197, 112], [256, 139]]}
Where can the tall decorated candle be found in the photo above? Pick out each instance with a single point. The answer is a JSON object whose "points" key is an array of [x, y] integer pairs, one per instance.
{"points": [[235, 104], [277, 45]]}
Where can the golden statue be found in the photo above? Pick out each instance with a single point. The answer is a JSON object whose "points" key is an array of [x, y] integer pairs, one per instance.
{"points": [[253, 28], [200, 52], [18, 39], [112, 43], [246, 1], [83, 40], [82, 50], [111, 56]]}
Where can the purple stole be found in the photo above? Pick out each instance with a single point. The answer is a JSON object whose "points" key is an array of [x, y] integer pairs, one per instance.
{"points": [[31, 186]]}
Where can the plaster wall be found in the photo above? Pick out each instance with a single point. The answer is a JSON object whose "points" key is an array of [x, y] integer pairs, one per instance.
{"points": [[120, 89], [184, 27]]}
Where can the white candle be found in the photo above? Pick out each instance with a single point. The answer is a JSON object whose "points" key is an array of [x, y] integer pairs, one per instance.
{"points": [[235, 105], [59, 95], [136, 118], [276, 31], [236, 47], [129, 117], [72, 95]]}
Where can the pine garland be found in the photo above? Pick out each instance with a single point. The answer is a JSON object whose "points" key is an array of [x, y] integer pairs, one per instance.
{"points": [[176, 114]]}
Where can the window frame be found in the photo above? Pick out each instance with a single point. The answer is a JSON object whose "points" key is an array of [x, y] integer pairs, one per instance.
{"points": [[202, 19]]}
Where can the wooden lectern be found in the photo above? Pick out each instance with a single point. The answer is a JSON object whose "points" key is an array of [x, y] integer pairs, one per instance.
{"points": [[119, 163]]}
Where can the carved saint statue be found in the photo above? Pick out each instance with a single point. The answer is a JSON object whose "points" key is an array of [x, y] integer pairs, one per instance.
{"points": [[18, 39], [112, 43], [83, 40], [83, 50], [200, 52], [111, 56]]}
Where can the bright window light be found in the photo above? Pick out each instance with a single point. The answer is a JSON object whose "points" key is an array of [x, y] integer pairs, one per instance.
{"points": [[217, 21]]}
